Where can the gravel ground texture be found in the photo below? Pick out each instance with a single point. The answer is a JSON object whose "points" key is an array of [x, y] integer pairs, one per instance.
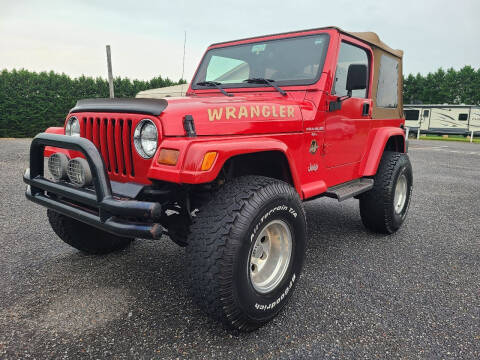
{"points": [[415, 294]]}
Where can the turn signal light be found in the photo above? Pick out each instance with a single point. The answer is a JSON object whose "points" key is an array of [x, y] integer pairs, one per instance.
{"points": [[208, 160], [168, 157]]}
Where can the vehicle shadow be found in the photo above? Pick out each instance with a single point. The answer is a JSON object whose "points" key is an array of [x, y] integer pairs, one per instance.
{"points": [[330, 222], [145, 286]]}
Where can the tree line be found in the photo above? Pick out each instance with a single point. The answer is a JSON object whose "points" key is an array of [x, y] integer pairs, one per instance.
{"points": [[443, 87], [30, 102]]}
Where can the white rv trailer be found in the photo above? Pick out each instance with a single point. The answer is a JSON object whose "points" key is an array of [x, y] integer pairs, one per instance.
{"points": [[443, 119]]}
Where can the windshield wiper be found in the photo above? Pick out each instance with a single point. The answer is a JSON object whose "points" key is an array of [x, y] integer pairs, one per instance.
{"points": [[266, 81], [214, 84]]}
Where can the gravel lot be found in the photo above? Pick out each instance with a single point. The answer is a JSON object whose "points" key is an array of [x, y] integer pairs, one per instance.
{"points": [[415, 294]]}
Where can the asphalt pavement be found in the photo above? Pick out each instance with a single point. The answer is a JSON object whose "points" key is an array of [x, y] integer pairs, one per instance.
{"points": [[415, 294]]}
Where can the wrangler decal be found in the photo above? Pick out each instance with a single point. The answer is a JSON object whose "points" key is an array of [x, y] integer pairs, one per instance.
{"points": [[230, 112], [215, 114], [252, 111], [290, 110], [265, 111], [242, 112]]}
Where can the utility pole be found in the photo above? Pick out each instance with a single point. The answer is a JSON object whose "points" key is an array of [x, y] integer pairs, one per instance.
{"points": [[110, 75], [184, 43]]}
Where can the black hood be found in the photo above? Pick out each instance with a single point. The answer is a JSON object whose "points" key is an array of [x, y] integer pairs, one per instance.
{"points": [[135, 106]]}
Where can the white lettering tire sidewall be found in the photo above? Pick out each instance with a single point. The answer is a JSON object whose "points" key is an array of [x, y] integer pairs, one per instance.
{"points": [[262, 307]]}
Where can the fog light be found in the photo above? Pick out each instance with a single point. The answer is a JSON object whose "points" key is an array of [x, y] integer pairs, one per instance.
{"points": [[57, 165], [79, 172]]}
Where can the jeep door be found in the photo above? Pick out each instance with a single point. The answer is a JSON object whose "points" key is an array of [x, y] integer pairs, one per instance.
{"points": [[347, 128]]}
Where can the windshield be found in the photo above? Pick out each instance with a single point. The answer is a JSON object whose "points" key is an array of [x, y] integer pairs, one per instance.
{"points": [[288, 61]]}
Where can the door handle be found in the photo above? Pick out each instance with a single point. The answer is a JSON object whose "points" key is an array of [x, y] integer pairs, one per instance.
{"points": [[365, 109]]}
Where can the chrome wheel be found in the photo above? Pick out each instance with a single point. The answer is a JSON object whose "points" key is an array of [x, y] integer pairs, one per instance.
{"points": [[270, 256], [400, 194]]}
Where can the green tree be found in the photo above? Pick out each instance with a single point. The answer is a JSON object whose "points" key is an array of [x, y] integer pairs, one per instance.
{"points": [[30, 102], [444, 87]]}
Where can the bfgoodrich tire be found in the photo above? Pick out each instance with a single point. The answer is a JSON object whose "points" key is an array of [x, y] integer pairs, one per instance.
{"points": [[84, 237], [178, 227], [246, 250], [384, 208]]}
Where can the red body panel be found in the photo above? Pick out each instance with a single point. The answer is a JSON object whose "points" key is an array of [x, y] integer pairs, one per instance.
{"points": [[377, 139], [188, 170], [255, 113], [323, 148]]}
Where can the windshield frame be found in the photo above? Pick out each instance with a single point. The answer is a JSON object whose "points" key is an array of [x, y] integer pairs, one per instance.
{"points": [[283, 83]]}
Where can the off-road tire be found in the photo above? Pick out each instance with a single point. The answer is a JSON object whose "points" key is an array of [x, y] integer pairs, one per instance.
{"points": [[178, 227], [84, 237], [377, 205], [220, 244]]}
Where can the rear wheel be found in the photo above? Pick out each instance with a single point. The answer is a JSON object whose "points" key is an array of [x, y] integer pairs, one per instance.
{"points": [[84, 237], [246, 251], [384, 208]]}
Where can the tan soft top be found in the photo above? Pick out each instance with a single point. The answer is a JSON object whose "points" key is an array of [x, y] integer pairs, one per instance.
{"points": [[373, 39], [379, 49]]}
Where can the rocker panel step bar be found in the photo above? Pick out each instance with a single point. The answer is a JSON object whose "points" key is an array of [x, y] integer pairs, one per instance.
{"points": [[349, 189]]}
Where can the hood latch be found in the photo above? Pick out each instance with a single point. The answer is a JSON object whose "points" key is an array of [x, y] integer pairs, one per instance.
{"points": [[189, 126]]}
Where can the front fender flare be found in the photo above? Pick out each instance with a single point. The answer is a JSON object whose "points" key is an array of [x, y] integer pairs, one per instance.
{"points": [[188, 167]]}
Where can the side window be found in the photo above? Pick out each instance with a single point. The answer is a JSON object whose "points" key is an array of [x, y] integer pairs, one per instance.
{"points": [[349, 54], [425, 114], [463, 117], [387, 88]]}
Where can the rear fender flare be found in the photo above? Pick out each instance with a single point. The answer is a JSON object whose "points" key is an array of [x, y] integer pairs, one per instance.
{"points": [[376, 143]]}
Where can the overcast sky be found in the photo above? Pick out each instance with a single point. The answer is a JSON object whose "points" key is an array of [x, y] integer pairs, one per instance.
{"points": [[147, 36]]}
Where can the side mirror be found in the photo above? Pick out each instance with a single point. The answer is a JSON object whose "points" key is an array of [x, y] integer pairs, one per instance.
{"points": [[356, 80], [356, 77]]}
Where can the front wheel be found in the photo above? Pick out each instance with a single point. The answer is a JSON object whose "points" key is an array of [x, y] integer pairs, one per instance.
{"points": [[84, 237], [384, 208], [246, 251]]}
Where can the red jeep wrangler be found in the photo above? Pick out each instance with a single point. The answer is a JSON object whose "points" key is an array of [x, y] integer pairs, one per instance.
{"points": [[268, 122]]}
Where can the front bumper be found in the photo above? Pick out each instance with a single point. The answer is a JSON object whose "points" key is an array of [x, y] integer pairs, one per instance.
{"points": [[99, 208]]}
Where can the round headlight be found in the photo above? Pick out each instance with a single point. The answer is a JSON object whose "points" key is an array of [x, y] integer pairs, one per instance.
{"points": [[73, 127], [145, 138]]}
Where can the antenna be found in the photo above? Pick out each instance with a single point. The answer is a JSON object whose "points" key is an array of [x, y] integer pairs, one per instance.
{"points": [[184, 43]]}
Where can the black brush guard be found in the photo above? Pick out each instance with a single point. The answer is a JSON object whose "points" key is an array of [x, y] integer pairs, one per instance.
{"points": [[128, 218]]}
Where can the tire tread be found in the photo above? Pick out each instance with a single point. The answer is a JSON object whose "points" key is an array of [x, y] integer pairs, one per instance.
{"points": [[211, 247], [375, 205], [84, 237]]}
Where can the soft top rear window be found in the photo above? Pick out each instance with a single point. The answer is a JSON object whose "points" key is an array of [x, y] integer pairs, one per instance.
{"points": [[387, 89], [287, 61]]}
